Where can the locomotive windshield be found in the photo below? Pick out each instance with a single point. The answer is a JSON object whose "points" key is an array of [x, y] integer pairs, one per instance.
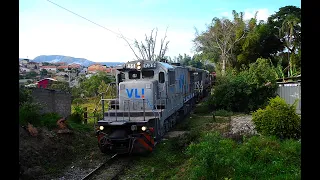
{"points": [[147, 74]]}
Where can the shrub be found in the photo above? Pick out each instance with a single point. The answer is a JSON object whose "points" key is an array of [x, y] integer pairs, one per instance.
{"points": [[78, 101], [49, 120], [233, 94], [77, 115], [247, 90], [24, 95], [278, 119], [181, 142], [29, 112], [258, 157]]}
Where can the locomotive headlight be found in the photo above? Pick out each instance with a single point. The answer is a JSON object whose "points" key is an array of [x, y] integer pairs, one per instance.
{"points": [[101, 128], [138, 63], [138, 67], [143, 128]]}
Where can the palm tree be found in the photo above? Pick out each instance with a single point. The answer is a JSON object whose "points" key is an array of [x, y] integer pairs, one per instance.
{"points": [[288, 30]]}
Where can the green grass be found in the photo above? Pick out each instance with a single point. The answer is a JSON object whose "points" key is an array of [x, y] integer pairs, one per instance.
{"points": [[163, 163], [205, 154], [258, 157], [202, 108], [222, 112]]}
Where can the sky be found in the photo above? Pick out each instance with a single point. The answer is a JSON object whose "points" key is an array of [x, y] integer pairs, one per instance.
{"points": [[47, 29]]}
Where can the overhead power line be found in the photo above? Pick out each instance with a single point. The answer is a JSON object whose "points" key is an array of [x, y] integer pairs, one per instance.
{"points": [[90, 20]]}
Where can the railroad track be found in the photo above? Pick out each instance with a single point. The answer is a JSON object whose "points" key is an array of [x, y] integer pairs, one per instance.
{"points": [[110, 169]]}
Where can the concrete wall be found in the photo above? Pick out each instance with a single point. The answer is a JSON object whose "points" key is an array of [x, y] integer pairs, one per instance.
{"points": [[53, 101]]}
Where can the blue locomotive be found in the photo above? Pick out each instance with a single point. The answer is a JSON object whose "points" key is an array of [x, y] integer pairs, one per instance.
{"points": [[151, 97]]}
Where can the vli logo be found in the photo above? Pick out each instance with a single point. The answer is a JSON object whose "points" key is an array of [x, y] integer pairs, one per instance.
{"points": [[136, 93]]}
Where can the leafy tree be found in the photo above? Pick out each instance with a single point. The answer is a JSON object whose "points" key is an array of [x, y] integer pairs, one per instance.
{"points": [[291, 36], [60, 85], [259, 43], [221, 36], [103, 87], [91, 85], [287, 24], [246, 90], [43, 72], [31, 75], [196, 62]]}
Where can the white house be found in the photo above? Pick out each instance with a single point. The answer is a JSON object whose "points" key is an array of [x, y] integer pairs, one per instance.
{"points": [[52, 69], [24, 70]]}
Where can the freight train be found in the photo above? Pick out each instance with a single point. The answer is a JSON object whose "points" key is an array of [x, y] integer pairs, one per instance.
{"points": [[152, 96]]}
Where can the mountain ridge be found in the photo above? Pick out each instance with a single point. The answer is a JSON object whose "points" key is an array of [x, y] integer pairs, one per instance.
{"points": [[70, 60]]}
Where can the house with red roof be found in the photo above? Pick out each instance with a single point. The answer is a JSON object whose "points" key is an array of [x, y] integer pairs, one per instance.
{"points": [[44, 83]]}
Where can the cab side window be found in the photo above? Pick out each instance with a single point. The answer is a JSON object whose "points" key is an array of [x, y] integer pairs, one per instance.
{"points": [[161, 77]]}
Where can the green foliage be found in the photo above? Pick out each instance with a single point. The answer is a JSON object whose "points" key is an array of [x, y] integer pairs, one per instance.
{"points": [[222, 112], [24, 95], [102, 87], [257, 158], [279, 70], [278, 119], [247, 90], [162, 163], [29, 112], [232, 94], [31, 75], [60, 86], [77, 115], [77, 93], [182, 142], [261, 73], [202, 108], [78, 100], [245, 41], [43, 72], [91, 85], [260, 42], [212, 157], [72, 124], [49, 120]]}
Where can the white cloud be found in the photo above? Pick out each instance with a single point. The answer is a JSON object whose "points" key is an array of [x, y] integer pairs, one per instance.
{"points": [[226, 14], [263, 14]]}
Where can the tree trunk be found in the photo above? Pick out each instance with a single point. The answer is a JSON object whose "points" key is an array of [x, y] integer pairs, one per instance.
{"points": [[289, 60], [223, 58]]}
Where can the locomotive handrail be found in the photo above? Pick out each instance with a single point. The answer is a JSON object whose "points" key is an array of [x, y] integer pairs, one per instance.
{"points": [[152, 108]]}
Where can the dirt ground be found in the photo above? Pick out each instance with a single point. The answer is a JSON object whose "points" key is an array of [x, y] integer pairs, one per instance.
{"points": [[45, 154]]}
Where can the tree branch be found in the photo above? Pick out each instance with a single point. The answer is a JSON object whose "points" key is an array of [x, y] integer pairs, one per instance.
{"points": [[129, 46], [154, 45]]}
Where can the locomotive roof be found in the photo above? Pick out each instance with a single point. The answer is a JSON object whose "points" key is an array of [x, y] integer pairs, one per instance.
{"points": [[163, 64], [166, 65]]}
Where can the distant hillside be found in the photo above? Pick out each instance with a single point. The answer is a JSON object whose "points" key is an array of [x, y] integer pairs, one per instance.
{"points": [[70, 60]]}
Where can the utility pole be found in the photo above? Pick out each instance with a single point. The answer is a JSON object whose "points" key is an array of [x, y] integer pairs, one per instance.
{"points": [[69, 78]]}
